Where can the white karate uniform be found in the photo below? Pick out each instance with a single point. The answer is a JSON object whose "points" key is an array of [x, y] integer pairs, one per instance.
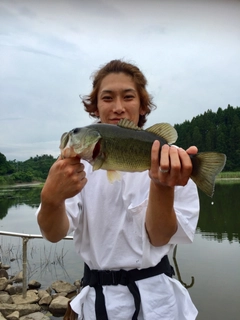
{"points": [[108, 221]]}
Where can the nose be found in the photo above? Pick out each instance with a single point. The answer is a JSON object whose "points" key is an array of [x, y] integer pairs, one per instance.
{"points": [[118, 106]]}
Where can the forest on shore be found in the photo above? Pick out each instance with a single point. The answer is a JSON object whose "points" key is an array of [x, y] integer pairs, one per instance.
{"points": [[212, 131]]}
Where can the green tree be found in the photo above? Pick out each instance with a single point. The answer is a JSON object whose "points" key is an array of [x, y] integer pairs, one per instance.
{"points": [[5, 166]]}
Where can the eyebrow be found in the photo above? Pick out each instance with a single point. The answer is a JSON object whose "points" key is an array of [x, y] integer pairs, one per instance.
{"points": [[124, 90]]}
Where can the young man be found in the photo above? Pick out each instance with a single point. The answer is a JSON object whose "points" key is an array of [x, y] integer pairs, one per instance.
{"points": [[123, 231]]}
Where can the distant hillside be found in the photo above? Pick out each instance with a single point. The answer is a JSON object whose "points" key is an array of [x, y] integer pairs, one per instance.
{"points": [[212, 131], [33, 169]]}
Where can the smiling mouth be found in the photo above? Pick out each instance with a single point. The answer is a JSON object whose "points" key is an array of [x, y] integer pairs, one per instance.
{"points": [[115, 120]]}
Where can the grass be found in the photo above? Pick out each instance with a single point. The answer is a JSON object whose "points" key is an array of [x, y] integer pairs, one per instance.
{"points": [[39, 259], [228, 177]]}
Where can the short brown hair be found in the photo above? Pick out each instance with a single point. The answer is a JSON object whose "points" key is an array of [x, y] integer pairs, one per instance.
{"points": [[117, 66]]}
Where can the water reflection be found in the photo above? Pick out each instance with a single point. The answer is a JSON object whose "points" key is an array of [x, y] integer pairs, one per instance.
{"points": [[10, 197], [177, 271], [220, 216]]}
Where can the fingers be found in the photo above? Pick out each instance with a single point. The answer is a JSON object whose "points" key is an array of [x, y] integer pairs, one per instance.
{"points": [[174, 166], [186, 166], [192, 150], [165, 160], [66, 178]]}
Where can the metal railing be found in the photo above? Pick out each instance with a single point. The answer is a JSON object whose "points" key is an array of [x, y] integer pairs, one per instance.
{"points": [[25, 238]]}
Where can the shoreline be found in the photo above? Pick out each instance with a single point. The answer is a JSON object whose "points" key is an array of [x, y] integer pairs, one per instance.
{"points": [[19, 185]]}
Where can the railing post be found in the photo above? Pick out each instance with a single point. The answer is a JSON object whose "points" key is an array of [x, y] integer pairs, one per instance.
{"points": [[24, 263]]}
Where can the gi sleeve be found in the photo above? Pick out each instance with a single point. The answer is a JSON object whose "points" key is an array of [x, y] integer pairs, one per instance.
{"points": [[186, 206]]}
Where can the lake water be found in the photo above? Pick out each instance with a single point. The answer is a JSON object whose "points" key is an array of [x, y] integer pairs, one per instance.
{"points": [[209, 268]]}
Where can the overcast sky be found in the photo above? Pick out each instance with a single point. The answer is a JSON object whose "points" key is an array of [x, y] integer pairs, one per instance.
{"points": [[189, 50]]}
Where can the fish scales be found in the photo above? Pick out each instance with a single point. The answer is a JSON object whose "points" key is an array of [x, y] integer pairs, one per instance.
{"points": [[120, 145]]}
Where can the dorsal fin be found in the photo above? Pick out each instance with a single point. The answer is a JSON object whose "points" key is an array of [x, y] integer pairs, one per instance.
{"points": [[165, 131], [125, 123]]}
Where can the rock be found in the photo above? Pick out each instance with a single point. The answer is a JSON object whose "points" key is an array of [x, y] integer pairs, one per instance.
{"points": [[58, 306], [37, 302], [62, 294], [5, 298], [6, 309], [31, 297], [77, 283], [18, 278], [45, 298], [19, 289], [33, 284], [3, 283], [62, 286], [2, 317], [49, 290], [10, 289], [3, 273], [13, 316], [35, 316], [41, 293], [4, 266]]}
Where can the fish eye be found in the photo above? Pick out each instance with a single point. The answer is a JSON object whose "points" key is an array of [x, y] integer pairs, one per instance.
{"points": [[76, 130]]}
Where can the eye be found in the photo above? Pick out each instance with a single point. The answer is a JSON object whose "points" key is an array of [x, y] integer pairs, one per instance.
{"points": [[128, 97], [107, 98]]}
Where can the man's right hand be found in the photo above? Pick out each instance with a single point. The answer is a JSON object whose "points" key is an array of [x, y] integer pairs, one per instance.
{"points": [[66, 178]]}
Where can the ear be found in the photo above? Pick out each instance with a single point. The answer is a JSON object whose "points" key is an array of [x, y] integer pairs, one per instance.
{"points": [[96, 113], [142, 112]]}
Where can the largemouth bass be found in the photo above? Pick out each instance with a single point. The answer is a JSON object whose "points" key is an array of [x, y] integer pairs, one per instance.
{"points": [[126, 147]]}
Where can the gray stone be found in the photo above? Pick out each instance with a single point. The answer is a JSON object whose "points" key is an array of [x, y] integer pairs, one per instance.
{"points": [[2, 317], [33, 284], [45, 298], [4, 266], [5, 298], [49, 290], [62, 286], [62, 294], [3, 273], [35, 316], [10, 289], [3, 283], [24, 310], [18, 278], [31, 297], [42, 293], [13, 316], [58, 306]]}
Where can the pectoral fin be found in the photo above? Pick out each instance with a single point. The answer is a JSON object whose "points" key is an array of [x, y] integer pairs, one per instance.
{"points": [[113, 176]]}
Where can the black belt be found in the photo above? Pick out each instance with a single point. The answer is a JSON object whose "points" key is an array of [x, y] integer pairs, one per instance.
{"points": [[99, 278]]}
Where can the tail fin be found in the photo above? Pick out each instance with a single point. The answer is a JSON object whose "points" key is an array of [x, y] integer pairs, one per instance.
{"points": [[206, 166]]}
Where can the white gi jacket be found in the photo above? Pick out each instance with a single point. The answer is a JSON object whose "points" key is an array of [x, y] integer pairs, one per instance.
{"points": [[108, 221]]}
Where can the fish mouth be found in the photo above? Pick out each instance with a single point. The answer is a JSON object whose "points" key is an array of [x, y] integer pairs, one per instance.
{"points": [[83, 142]]}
